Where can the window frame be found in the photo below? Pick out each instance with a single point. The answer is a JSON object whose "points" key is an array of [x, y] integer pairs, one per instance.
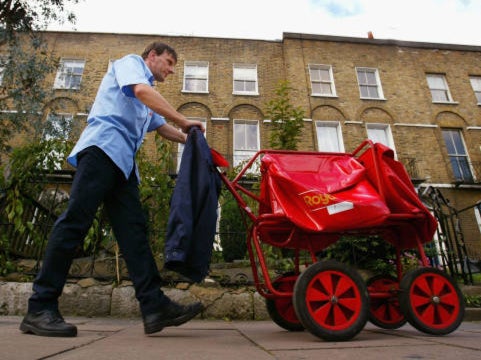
{"points": [[236, 79], [320, 67], [445, 90], [329, 124], [377, 86], [65, 76], [242, 154], [456, 156], [196, 77], [476, 85], [386, 128]]}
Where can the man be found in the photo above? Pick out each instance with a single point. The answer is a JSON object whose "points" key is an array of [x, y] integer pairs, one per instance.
{"points": [[125, 108]]}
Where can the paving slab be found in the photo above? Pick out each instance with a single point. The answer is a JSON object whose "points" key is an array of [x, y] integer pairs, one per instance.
{"points": [[119, 339]]}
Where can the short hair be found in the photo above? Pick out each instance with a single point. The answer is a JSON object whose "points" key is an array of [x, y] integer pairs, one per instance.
{"points": [[159, 48]]}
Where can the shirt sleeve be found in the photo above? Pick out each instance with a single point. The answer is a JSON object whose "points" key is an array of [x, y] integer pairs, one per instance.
{"points": [[131, 70], [156, 122]]}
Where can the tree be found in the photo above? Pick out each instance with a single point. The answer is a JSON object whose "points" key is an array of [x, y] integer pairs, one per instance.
{"points": [[287, 120], [25, 62]]}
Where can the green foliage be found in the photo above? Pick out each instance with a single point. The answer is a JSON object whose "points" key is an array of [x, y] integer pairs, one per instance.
{"points": [[472, 300], [233, 222], [287, 120], [232, 230], [22, 181], [156, 189], [366, 252], [25, 63]]}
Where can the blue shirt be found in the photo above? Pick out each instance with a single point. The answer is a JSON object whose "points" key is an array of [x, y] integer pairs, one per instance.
{"points": [[118, 121]]}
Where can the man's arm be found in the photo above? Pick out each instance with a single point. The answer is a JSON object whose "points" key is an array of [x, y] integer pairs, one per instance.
{"points": [[155, 101], [171, 133]]}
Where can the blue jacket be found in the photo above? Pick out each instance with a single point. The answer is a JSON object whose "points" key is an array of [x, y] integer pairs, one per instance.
{"points": [[192, 221]]}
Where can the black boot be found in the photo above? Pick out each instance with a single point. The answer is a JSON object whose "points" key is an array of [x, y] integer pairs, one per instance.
{"points": [[47, 323], [172, 314]]}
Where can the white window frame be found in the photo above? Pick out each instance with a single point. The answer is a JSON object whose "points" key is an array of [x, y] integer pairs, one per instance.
{"points": [[241, 151], [457, 155], [438, 86], [180, 146], [476, 85], [334, 142], [381, 133], [244, 74], [317, 81], [364, 83], [198, 73], [69, 74]]}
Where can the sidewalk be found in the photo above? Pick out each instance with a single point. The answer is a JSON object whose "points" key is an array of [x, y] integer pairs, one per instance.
{"points": [[119, 339]]}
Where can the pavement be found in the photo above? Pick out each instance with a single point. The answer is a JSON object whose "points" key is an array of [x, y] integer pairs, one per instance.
{"points": [[120, 338]]}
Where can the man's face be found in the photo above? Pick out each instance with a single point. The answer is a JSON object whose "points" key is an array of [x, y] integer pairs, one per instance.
{"points": [[161, 65]]}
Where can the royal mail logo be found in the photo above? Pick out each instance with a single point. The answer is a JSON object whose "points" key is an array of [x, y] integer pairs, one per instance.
{"points": [[316, 200]]}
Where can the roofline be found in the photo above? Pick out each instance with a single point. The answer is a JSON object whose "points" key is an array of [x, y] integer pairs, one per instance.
{"points": [[303, 36], [389, 42]]}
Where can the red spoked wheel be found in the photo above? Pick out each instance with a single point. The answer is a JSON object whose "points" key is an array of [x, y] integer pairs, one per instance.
{"points": [[281, 309], [431, 301], [385, 311], [331, 301]]}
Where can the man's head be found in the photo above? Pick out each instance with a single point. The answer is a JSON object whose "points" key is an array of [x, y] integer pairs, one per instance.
{"points": [[161, 59]]}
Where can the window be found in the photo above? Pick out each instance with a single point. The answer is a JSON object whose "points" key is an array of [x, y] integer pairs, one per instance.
{"points": [[246, 140], [458, 156], [329, 136], [476, 84], [69, 74], [180, 146], [380, 133], [369, 83], [57, 128], [196, 76], [322, 80], [245, 79], [439, 88]]}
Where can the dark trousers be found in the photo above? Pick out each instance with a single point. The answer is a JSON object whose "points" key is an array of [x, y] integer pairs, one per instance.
{"points": [[99, 180]]}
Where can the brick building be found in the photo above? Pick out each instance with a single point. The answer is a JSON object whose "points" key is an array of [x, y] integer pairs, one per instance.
{"points": [[421, 99]]}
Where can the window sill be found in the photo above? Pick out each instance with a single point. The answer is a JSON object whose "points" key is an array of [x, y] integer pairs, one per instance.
{"points": [[446, 102], [245, 93], [194, 92], [325, 96], [375, 99]]}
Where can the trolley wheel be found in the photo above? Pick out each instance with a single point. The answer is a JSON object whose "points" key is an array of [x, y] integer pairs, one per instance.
{"points": [[431, 301], [331, 301], [385, 312], [281, 310]]}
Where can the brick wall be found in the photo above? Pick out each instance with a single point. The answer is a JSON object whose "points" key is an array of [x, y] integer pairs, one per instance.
{"points": [[415, 121]]}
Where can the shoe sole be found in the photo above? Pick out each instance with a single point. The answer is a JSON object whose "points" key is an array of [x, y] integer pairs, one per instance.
{"points": [[153, 328], [29, 329]]}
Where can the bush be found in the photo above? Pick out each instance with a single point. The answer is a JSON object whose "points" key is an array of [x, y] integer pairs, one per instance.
{"points": [[232, 230]]}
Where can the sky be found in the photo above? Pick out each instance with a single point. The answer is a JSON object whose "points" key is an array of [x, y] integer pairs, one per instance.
{"points": [[436, 21]]}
